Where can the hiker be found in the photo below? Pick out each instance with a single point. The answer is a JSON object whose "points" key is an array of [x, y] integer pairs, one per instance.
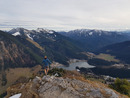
{"points": [[46, 62]]}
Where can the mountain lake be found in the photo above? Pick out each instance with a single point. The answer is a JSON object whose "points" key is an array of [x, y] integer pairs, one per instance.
{"points": [[80, 64]]}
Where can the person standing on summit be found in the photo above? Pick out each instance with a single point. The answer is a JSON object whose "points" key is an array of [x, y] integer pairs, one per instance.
{"points": [[46, 63]]}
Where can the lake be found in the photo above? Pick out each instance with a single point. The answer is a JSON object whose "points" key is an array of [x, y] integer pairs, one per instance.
{"points": [[80, 64]]}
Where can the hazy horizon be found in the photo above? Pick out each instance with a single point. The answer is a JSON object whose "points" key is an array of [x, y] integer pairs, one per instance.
{"points": [[65, 15]]}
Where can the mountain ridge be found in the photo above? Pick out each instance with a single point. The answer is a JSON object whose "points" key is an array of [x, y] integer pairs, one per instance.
{"points": [[56, 46], [95, 39], [63, 87]]}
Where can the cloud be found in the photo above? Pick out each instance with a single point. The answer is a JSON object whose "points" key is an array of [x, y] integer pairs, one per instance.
{"points": [[65, 14]]}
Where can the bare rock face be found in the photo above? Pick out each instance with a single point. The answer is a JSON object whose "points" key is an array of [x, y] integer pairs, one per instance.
{"points": [[59, 87], [72, 88]]}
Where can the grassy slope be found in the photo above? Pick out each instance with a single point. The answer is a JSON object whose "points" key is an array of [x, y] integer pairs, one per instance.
{"points": [[76, 75], [25, 46], [14, 74], [107, 57], [36, 44]]}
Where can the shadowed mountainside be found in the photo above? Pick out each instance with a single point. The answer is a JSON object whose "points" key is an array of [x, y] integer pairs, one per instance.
{"points": [[120, 50]]}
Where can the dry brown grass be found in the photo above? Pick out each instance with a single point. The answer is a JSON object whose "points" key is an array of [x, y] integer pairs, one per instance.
{"points": [[68, 74], [14, 74], [78, 76], [36, 44], [94, 84], [107, 57], [108, 96]]}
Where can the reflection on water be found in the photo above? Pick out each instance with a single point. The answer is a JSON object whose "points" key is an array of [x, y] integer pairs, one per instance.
{"points": [[77, 64]]}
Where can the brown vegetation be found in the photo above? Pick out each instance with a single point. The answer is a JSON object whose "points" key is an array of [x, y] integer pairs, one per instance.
{"points": [[14, 74]]}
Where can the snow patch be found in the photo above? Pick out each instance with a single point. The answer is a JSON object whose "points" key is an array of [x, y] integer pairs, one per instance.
{"points": [[81, 31], [91, 33], [77, 69], [100, 34], [26, 31], [28, 35], [51, 32], [16, 96], [98, 31], [16, 34], [44, 30], [39, 29]]}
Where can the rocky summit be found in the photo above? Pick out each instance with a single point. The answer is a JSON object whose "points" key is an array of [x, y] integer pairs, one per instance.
{"points": [[59, 87]]}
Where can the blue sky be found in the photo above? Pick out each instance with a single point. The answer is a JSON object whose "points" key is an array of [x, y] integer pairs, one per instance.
{"points": [[65, 14]]}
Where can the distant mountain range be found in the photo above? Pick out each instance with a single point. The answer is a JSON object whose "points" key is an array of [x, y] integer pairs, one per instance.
{"points": [[61, 46], [92, 40], [26, 48], [32, 45]]}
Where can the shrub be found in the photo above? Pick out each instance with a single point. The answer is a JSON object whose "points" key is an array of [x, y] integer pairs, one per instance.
{"points": [[4, 80], [58, 71], [122, 86]]}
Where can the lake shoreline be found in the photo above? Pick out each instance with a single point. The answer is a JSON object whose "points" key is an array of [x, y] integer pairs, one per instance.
{"points": [[77, 63], [75, 60]]}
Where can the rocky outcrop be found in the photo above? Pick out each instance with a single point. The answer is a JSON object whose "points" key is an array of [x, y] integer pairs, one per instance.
{"points": [[59, 87]]}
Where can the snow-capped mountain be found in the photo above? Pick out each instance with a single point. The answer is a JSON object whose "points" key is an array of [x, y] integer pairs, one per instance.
{"points": [[94, 39], [89, 40], [45, 30], [31, 34], [90, 33], [60, 48]]}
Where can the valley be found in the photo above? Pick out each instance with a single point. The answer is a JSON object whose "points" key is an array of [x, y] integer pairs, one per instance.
{"points": [[64, 49], [22, 51]]}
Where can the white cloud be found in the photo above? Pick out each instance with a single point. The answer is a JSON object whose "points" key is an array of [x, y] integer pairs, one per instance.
{"points": [[65, 14]]}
